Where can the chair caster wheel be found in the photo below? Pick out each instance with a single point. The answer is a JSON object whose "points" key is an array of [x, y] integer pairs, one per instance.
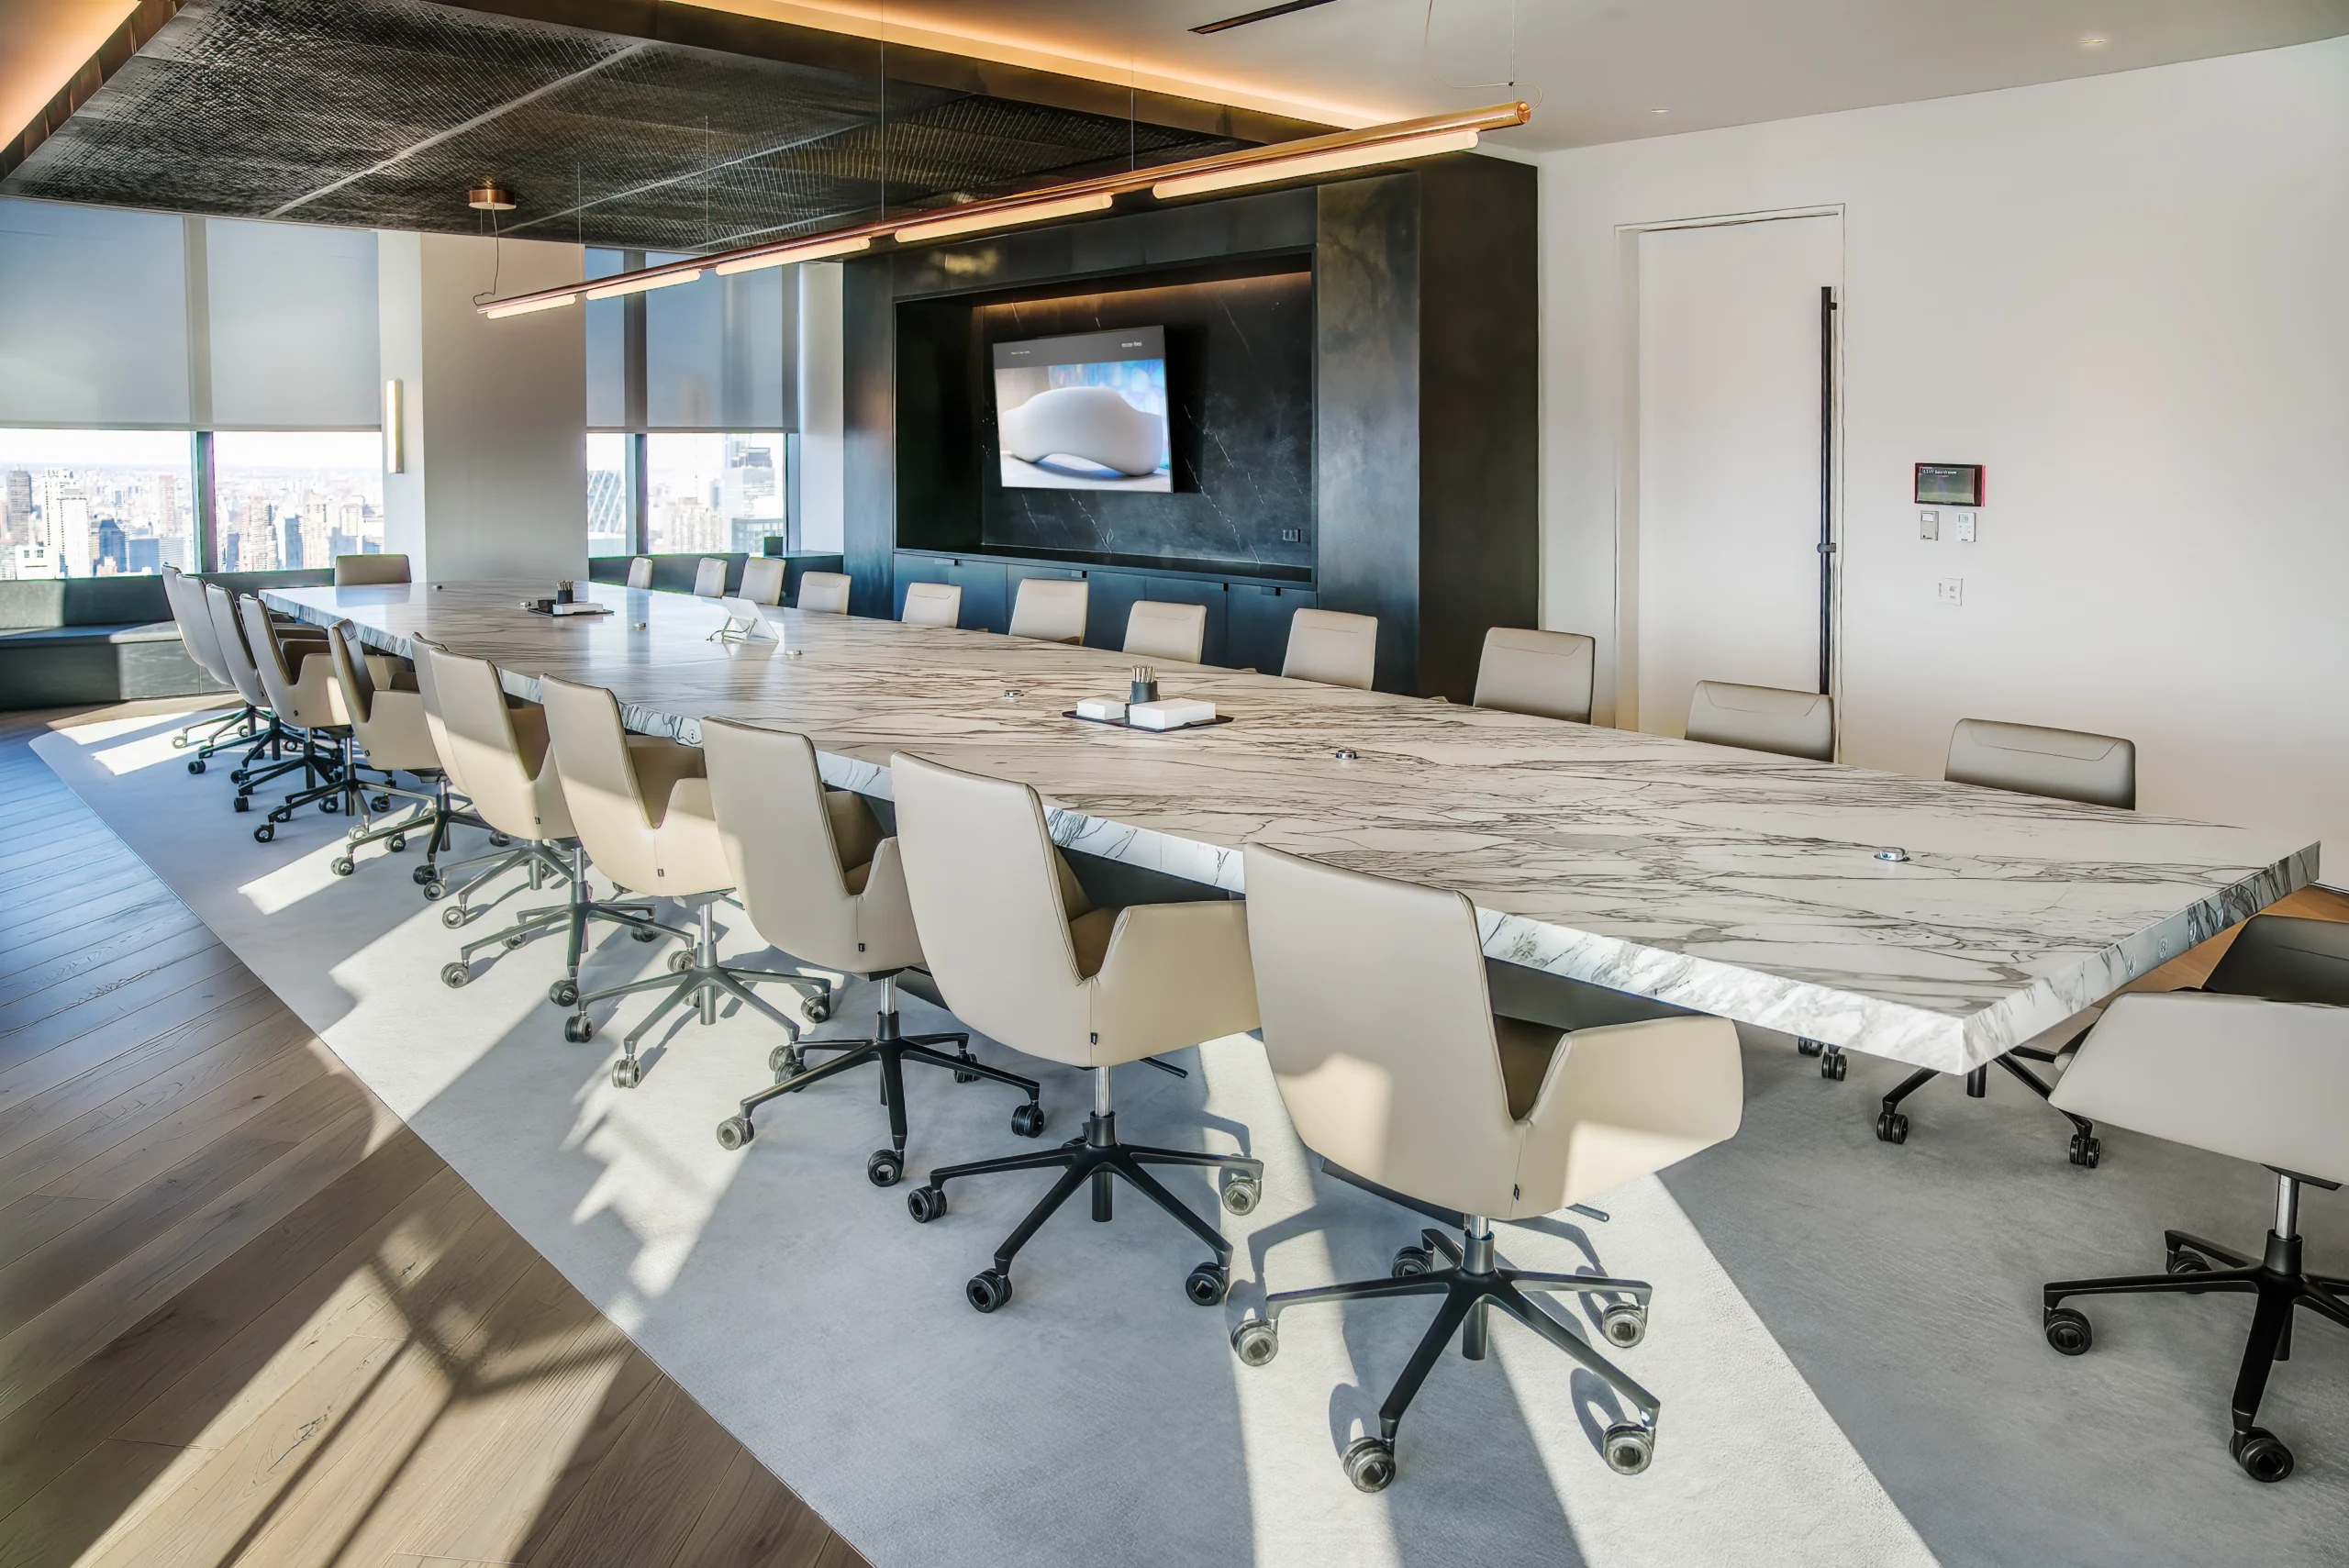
{"points": [[499, 840], [2262, 1457], [1411, 1260], [1833, 1065], [1208, 1284], [420, 875], [1370, 1463], [196, 766], [456, 975], [243, 803], [643, 935], [396, 843], [264, 833], [328, 806], [2068, 1332], [680, 961], [626, 1074], [381, 803], [1892, 1127], [2184, 1263], [579, 1028], [1256, 1341], [815, 1009], [735, 1131], [964, 1074], [988, 1290], [236, 775], [516, 941], [885, 1167], [1808, 1047], [2085, 1149], [1628, 1449], [1241, 1195], [454, 916], [925, 1204], [563, 993], [1625, 1324], [1028, 1121], [343, 865], [435, 888], [783, 1060]]}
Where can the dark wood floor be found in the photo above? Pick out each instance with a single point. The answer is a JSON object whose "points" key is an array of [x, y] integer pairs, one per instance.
{"points": [[246, 1317]]}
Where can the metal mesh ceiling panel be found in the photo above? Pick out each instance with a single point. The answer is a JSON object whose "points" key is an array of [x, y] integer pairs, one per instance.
{"points": [[380, 113]]}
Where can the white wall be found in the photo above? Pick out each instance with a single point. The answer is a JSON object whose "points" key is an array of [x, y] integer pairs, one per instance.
{"points": [[496, 412], [2129, 297], [823, 408]]}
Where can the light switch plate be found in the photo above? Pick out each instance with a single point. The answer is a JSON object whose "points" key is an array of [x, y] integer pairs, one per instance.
{"points": [[1929, 525], [1965, 526], [1951, 591]]}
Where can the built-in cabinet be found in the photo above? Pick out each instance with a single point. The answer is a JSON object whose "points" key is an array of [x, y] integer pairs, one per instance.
{"points": [[1247, 621]]}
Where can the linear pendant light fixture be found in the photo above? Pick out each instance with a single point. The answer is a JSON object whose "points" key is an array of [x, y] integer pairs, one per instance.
{"points": [[1304, 159]]}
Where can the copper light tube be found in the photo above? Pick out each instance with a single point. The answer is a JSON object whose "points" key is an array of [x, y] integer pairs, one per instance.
{"points": [[1300, 159]]}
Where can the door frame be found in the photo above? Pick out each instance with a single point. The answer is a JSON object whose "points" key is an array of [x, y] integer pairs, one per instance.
{"points": [[1618, 702]]}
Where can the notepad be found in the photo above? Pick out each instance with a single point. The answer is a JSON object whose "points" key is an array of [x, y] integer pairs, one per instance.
{"points": [[1170, 712], [1108, 710]]}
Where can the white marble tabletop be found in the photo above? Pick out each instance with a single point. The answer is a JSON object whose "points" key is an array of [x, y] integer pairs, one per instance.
{"points": [[1727, 882]]}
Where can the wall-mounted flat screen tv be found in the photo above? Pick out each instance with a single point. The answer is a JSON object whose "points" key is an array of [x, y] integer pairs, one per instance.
{"points": [[1086, 412]]}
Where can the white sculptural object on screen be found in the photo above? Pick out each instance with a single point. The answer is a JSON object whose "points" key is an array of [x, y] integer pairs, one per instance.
{"points": [[1094, 423]]}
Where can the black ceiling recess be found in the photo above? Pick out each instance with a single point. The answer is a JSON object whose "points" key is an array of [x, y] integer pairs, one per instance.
{"points": [[659, 127]]}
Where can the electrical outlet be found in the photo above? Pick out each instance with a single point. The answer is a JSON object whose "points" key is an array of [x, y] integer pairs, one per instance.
{"points": [[1929, 525], [1951, 591], [1292, 535], [1965, 526]]}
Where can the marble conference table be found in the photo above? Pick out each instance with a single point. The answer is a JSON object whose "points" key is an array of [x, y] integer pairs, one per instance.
{"points": [[1726, 882]]}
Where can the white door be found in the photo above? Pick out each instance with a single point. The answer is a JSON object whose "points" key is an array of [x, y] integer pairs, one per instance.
{"points": [[1728, 562]]}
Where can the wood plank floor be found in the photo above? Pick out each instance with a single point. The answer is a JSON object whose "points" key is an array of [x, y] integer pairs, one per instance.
{"points": [[246, 1316]]}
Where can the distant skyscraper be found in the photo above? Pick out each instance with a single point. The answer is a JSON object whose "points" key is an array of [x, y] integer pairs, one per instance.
{"points": [[17, 521], [65, 524], [111, 555]]}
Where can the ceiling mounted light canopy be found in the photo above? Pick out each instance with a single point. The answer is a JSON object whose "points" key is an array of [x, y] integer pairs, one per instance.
{"points": [[1305, 158], [490, 196]]}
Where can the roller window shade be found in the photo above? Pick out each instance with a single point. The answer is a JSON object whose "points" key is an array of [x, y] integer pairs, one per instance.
{"points": [[715, 351], [294, 341], [93, 316], [606, 347]]}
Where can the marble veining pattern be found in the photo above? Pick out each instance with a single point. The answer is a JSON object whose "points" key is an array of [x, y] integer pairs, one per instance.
{"points": [[1728, 882]]}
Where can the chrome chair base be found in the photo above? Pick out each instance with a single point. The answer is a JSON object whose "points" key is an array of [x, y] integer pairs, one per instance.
{"points": [[701, 979]]}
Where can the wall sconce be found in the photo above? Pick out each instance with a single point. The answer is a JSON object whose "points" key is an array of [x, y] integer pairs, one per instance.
{"points": [[394, 454]]}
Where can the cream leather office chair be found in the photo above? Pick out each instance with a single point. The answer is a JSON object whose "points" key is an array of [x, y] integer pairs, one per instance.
{"points": [[1333, 648], [1176, 633], [824, 593], [1020, 955], [274, 735], [1763, 718], [2058, 765], [496, 752], [710, 577], [642, 807], [1546, 673], [821, 884], [1393, 1065], [369, 571], [1050, 609], [185, 596], [640, 571], [933, 604], [299, 681], [2255, 1080], [387, 725], [763, 580]]}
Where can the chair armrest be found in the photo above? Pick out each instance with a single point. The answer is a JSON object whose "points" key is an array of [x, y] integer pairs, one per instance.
{"points": [[1627, 1100], [1174, 974]]}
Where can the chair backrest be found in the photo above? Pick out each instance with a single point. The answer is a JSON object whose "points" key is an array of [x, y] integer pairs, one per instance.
{"points": [[763, 580], [710, 577], [1546, 673], [194, 617], [1333, 648], [2064, 764], [640, 571], [228, 636], [314, 707], [2285, 958], [1159, 630], [933, 604], [824, 593], [1051, 610], [351, 674], [365, 571], [1764, 718], [988, 897], [600, 787], [497, 754]]}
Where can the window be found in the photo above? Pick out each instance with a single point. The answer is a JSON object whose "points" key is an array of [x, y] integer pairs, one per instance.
{"points": [[712, 494], [289, 501], [608, 497], [96, 502]]}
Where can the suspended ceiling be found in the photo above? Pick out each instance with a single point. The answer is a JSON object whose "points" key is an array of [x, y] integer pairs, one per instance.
{"points": [[682, 129]]}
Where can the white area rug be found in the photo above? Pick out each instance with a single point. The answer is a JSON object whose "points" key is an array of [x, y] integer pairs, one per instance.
{"points": [[1101, 1417]]}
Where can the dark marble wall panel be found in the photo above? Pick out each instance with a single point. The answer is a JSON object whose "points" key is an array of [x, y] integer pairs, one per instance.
{"points": [[870, 419]]}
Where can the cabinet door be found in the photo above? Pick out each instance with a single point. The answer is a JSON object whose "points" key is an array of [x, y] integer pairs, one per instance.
{"points": [[1257, 637], [1216, 596], [1110, 600], [985, 605], [910, 568]]}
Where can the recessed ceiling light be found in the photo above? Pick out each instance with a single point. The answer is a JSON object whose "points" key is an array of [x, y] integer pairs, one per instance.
{"points": [[2094, 41], [1659, 111]]}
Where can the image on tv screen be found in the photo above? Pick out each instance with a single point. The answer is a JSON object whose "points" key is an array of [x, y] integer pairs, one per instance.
{"points": [[1085, 413]]}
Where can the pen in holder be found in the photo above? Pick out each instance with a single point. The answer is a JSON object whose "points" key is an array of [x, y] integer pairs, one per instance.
{"points": [[1145, 684], [563, 593]]}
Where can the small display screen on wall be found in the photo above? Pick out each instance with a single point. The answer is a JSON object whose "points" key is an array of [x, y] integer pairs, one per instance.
{"points": [[1949, 483], [1086, 412]]}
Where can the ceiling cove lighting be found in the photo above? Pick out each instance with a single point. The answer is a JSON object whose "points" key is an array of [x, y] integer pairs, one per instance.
{"points": [[1002, 218], [783, 256], [1305, 158], [1314, 163]]}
